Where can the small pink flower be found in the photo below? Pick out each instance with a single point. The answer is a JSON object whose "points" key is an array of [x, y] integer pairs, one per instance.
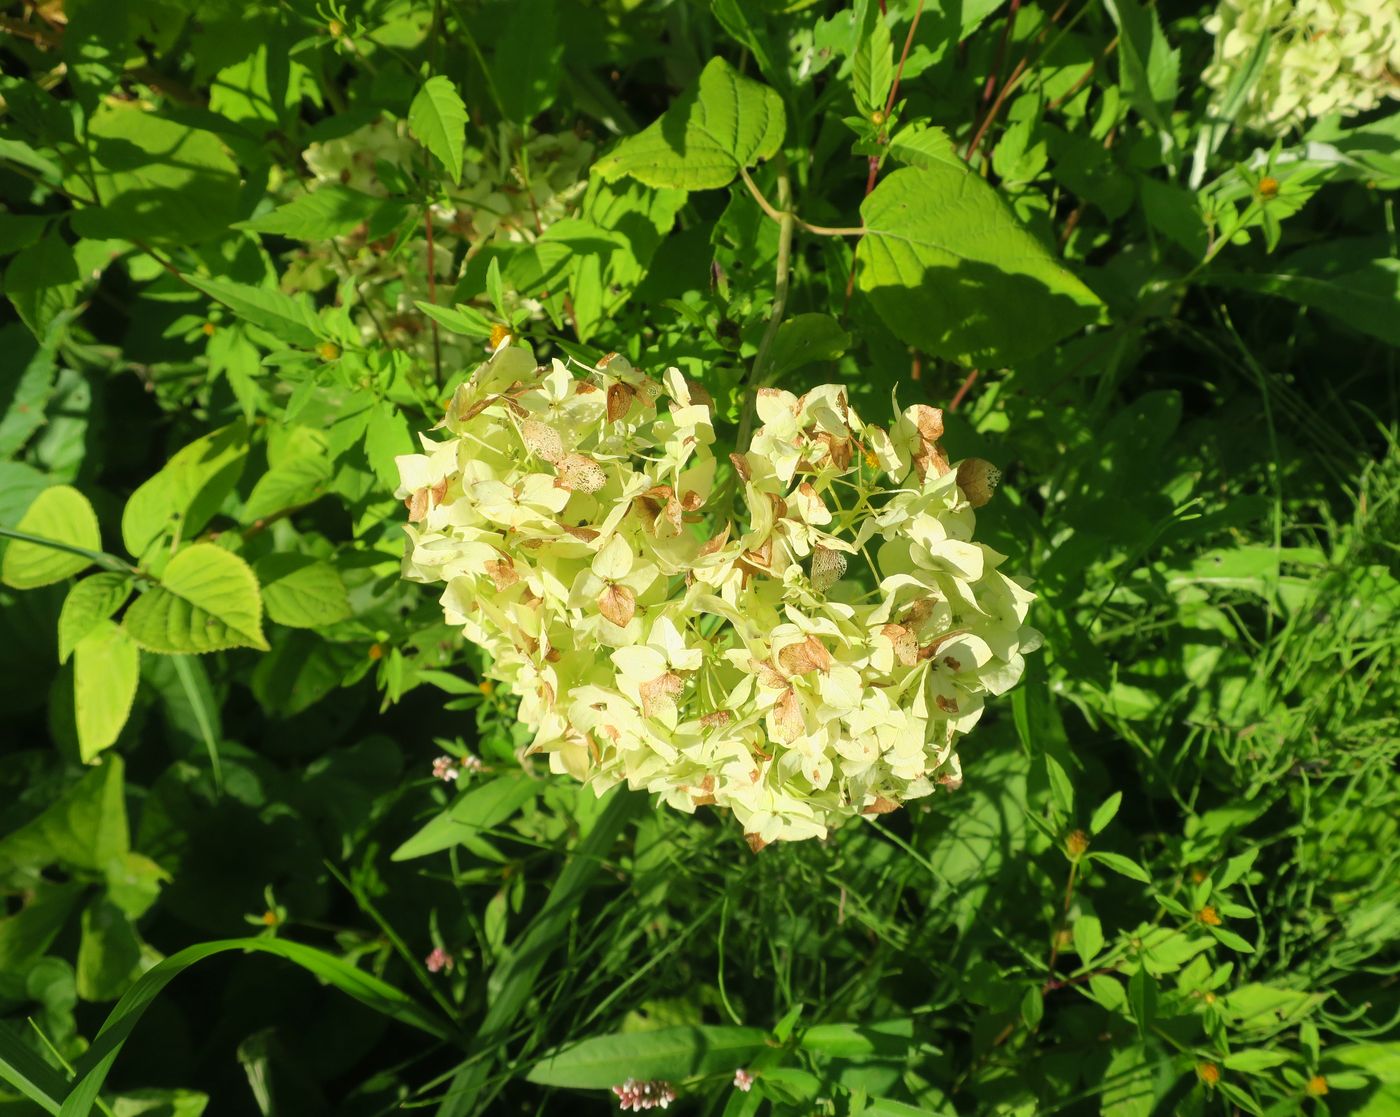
{"points": [[636, 1096], [471, 763], [439, 960], [445, 769], [743, 1080]]}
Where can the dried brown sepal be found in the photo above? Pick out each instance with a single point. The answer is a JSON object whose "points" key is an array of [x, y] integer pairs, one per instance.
{"points": [[541, 440], [716, 542], [881, 806], [580, 473], [906, 648], [770, 393], [716, 719], [502, 573], [978, 479], [417, 505], [620, 397], [660, 693], [827, 568], [806, 657], [787, 717], [741, 466], [768, 675], [928, 421], [756, 843], [618, 604]]}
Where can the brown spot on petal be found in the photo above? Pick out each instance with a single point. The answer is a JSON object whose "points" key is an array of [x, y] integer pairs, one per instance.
{"points": [[906, 648], [715, 720], [691, 500], [930, 459], [947, 705], [620, 398], [827, 567], [787, 717], [660, 692], [978, 480], [502, 573], [541, 440], [618, 604], [698, 394], [580, 473], [806, 657], [417, 505], [778, 392], [605, 360], [929, 421], [768, 675], [586, 534], [952, 664], [714, 543]]}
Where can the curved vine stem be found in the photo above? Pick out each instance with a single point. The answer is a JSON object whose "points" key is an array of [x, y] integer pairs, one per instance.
{"points": [[779, 215]]}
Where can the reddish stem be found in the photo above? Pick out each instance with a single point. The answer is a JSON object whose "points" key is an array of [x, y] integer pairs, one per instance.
{"points": [[961, 392]]}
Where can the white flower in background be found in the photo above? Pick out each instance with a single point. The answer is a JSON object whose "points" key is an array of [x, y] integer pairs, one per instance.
{"points": [[1323, 57], [816, 659]]}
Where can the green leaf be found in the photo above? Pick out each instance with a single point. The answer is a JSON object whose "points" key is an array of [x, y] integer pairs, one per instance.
{"points": [[292, 483], [872, 68], [156, 180], [207, 600], [17, 151], [1255, 1060], [471, 815], [459, 319], [1032, 1007], [326, 212], [23, 1069], [922, 146], [1104, 815], [286, 318], [96, 1063], [106, 670], [88, 603], [1124, 866], [951, 271], [804, 339], [528, 60], [668, 1053], [1147, 64], [1232, 940], [188, 490], [61, 514], [86, 828], [302, 592], [706, 136], [1088, 937], [42, 281], [1061, 789], [27, 385], [884, 1039], [27, 934], [1142, 996], [109, 953], [438, 119], [1337, 280]]}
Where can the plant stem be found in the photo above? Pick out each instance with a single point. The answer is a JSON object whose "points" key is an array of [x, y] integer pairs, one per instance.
{"points": [[101, 558], [781, 212]]}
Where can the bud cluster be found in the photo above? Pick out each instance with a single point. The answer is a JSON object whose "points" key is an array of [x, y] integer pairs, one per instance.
{"points": [[814, 658]]}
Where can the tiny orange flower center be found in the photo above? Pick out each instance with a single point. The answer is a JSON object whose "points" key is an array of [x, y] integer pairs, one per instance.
{"points": [[1208, 1073], [1209, 916], [1268, 187], [328, 350], [1316, 1087]]}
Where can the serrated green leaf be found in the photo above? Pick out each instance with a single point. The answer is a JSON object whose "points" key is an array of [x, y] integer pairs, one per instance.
{"points": [[805, 338], [1088, 937], [42, 281], [187, 491], [327, 212], [289, 484], [106, 671], [1147, 64], [61, 514], [706, 136], [207, 600], [85, 828], [872, 68], [667, 1053], [286, 318], [302, 592], [922, 146], [950, 270], [156, 180], [89, 602], [438, 119]]}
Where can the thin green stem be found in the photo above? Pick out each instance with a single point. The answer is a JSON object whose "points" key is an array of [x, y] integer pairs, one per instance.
{"points": [[101, 558], [781, 211]]}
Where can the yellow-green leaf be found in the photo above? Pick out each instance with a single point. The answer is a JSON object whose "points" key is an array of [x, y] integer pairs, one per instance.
{"points": [[63, 515], [706, 136], [188, 490], [106, 670], [207, 600], [88, 603]]}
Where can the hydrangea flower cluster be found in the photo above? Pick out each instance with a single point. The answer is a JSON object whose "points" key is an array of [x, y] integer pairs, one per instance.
{"points": [[814, 658], [1324, 56]]}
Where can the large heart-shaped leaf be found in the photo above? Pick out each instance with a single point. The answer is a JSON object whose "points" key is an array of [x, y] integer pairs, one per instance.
{"points": [[207, 600]]}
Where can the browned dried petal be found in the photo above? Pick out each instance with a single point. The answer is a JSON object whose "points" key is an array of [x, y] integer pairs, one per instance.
{"points": [[716, 719], [787, 717], [906, 648], [618, 604], [881, 806], [714, 543], [755, 842], [929, 421], [978, 480], [699, 394], [502, 573], [541, 440], [660, 690], [917, 612], [741, 466], [605, 360], [806, 657], [772, 392], [620, 398], [930, 459], [691, 500], [417, 505], [768, 675], [580, 473], [587, 534], [827, 567], [947, 705]]}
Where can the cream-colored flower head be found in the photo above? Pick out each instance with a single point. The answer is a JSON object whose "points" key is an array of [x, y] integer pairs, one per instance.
{"points": [[814, 659], [1323, 57]]}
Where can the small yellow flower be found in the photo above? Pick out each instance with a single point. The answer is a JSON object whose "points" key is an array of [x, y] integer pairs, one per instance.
{"points": [[1316, 1086], [499, 333], [877, 118], [270, 919], [208, 329], [328, 350], [1268, 187], [1208, 1073], [487, 686], [376, 651], [1209, 916]]}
